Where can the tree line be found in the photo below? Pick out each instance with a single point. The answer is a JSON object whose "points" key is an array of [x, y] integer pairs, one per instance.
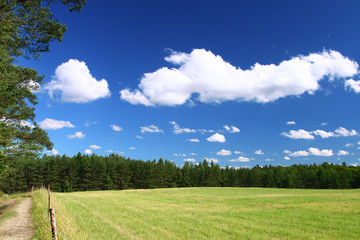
{"points": [[114, 172]]}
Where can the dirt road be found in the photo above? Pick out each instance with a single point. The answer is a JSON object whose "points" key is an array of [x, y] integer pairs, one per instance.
{"points": [[20, 226]]}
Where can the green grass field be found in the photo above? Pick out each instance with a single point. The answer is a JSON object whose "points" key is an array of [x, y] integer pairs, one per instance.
{"points": [[202, 213]]}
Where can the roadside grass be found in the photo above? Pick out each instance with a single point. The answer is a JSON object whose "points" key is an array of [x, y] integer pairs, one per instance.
{"points": [[201, 213], [39, 213], [6, 197]]}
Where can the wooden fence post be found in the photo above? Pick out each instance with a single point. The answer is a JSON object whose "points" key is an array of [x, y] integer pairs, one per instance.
{"points": [[49, 197], [52, 217], [53, 223]]}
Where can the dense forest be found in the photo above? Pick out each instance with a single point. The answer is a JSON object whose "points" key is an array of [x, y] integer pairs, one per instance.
{"points": [[84, 173]]}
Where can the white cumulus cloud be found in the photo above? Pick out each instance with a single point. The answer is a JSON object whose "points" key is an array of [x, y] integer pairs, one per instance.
{"points": [[151, 129], [299, 154], [211, 79], [217, 137], [324, 152], [323, 134], [303, 134], [88, 151], [343, 132], [298, 134], [189, 160], [116, 128], [193, 140], [76, 135], [224, 152], [291, 123], [343, 153], [52, 124], [74, 83], [240, 159], [286, 158], [214, 160], [94, 147], [259, 152], [312, 151]]}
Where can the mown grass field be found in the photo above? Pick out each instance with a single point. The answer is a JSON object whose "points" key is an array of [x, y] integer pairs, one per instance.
{"points": [[201, 213]]}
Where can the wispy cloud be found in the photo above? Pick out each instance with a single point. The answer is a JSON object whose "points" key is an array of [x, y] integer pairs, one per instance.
{"points": [[88, 124], [179, 154], [232, 129], [151, 129], [178, 130]]}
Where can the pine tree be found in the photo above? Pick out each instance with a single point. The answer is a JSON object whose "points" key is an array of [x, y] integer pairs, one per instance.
{"points": [[26, 29]]}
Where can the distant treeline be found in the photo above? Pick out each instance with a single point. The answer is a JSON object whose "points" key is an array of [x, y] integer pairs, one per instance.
{"points": [[84, 173]]}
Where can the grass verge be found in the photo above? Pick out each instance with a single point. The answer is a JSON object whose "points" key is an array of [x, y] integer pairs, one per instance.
{"points": [[8, 203]]}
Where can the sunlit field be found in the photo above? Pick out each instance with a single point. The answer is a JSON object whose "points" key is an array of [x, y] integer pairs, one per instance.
{"points": [[201, 213]]}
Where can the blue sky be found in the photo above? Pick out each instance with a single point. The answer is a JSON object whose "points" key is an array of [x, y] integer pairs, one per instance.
{"points": [[237, 82]]}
